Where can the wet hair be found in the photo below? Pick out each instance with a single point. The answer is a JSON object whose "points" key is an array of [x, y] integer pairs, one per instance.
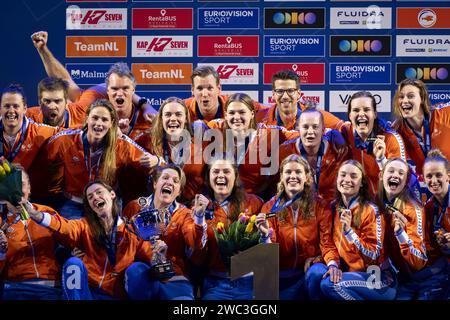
{"points": [[237, 196], [53, 84], [315, 111], [204, 71], [96, 227], [157, 131], [122, 70], [436, 155], [15, 89], [306, 201], [363, 193], [108, 165], [423, 92], [285, 75]]}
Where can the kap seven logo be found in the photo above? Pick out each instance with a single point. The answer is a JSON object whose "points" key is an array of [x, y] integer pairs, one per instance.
{"points": [[162, 46], [360, 46], [99, 19]]}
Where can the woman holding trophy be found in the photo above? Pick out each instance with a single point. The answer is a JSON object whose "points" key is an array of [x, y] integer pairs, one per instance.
{"points": [[160, 217], [109, 246]]}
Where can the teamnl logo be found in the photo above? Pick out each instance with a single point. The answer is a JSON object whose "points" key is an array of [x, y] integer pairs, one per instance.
{"points": [[360, 45], [428, 73], [96, 19], [294, 18]]}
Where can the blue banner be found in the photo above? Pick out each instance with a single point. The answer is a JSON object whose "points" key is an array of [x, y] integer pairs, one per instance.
{"points": [[88, 73], [360, 73], [294, 46], [228, 18]]}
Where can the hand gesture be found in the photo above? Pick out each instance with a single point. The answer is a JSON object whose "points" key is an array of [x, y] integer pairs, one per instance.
{"points": [[200, 204], [124, 125], [39, 39], [262, 224], [399, 221], [148, 160], [335, 274], [379, 147], [3, 243], [346, 220]]}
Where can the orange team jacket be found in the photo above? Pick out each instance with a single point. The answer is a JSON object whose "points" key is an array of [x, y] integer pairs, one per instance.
{"points": [[407, 250], [101, 274], [138, 124], [439, 131], [328, 170], [211, 254], [182, 236], [299, 238], [394, 148], [31, 250], [268, 116], [195, 114], [74, 115], [363, 245], [259, 167], [193, 168], [433, 210], [66, 149], [36, 135]]}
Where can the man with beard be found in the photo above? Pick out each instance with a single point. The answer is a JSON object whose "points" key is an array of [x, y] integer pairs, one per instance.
{"points": [[287, 107]]}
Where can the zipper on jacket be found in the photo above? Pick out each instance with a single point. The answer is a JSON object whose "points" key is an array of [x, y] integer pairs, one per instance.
{"points": [[295, 212], [32, 249], [104, 273]]}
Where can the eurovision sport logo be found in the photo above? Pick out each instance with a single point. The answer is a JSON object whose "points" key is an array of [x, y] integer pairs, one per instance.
{"points": [[162, 18], [228, 18], [294, 18], [96, 46], [228, 46], [369, 46], [420, 18], [438, 96], [294, 46], [162, 46], [372, 17], [429, 73], [236, 73], [88, 73], [95, 19], [338, 100], [423, 46], [309, 73], [360, 73], [162, 73]]}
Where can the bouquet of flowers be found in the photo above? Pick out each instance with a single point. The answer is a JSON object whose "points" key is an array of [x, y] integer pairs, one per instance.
{"points": [[11, 185], [238, 236]]}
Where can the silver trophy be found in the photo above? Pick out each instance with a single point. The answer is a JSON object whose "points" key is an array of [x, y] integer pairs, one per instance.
{"points": [[150, 227]]}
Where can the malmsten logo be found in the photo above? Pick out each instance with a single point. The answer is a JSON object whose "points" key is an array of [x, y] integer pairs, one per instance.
{"points": [[360, 45], [294, 18]]}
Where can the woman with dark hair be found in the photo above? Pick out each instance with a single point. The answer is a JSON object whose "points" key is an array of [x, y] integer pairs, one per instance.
{"points": [[406, 234], [109, 247], [178, 230], [371, 141], [254, 147], [171, 138], [358, 233], [90, 153], [227, 200], [302, 227]]}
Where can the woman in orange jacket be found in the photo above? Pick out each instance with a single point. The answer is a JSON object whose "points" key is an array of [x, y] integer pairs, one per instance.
{"points": [[181, 236], [302, 227], [226, 200], [27, 254], [358, 233], [109, 246], [82, 155]]}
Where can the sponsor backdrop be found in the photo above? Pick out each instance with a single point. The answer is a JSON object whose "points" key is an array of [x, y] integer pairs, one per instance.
{"points": [[336, 47]]}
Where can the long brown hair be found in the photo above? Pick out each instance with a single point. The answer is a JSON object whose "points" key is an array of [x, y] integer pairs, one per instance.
{"points": [[405, 196], [97, 230], [425, 100], [306, 201], [108, 164], [237, 196], [157, 132], [364, 195]]}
